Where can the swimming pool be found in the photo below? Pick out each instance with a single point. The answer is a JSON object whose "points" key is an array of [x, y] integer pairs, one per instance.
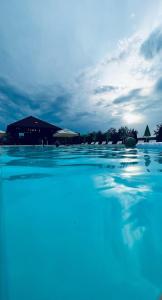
{"points": [[80, 223]]}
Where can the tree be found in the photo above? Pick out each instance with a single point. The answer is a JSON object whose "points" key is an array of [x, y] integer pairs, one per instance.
{"points": [[123, 133], [100, 137], [133, 133], [89, 138], [108, 136], [113, 135], [83, 138], [158, 133], [147, 133], [94, 136]]}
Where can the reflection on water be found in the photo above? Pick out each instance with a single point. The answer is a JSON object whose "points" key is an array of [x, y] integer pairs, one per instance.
{"points": [[27, 176], [80, 223], [128, 197]]}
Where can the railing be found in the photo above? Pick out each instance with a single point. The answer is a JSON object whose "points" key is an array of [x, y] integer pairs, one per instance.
{"points": [[151, 138]]}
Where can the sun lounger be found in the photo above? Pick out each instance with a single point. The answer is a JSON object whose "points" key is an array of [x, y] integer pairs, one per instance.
{"points": [[140, 142], [152, 142]]}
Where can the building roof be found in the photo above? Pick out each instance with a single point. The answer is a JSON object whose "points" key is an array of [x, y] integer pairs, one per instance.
{"points": [[33, 122], [65, 133]]}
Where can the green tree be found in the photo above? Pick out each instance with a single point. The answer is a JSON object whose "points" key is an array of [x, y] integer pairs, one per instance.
{"points": [[94, 136], [113, 135], [123, 133], [147, 133], [158, 132], [100, 137]]}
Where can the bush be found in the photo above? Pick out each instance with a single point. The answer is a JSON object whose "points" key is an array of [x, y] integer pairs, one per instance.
{"points": [[130, 142]]}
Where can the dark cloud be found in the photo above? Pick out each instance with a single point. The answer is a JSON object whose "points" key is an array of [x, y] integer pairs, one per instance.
{"points": [[118, 58], [153, 44], [10, 92], [81, 115], [131, 95], [13, 102], [149, 103], [158, 85], [103, 103], [105, 89], [16, 104], [100, 102], [57, 110]]}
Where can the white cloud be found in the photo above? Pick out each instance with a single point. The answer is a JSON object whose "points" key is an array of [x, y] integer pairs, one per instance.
{"points": [[126, 83]]}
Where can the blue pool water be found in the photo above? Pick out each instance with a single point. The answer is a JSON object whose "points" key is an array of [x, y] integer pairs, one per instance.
{"points": [[80, 223]]}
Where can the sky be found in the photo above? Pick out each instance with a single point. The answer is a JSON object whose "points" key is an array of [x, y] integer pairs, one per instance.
{"points": [[85, 65]]}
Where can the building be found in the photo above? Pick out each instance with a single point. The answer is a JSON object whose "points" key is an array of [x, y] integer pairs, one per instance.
{"points": [[31, 131]]}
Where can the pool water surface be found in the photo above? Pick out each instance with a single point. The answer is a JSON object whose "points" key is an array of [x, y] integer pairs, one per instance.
{"points": [[80, 223]]}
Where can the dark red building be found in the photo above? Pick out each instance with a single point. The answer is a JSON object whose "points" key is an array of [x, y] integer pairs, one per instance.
{"points": [[31, 131]]}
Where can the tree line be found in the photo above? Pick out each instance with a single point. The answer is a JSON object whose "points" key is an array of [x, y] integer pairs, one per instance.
{"points": [[111, 135]]}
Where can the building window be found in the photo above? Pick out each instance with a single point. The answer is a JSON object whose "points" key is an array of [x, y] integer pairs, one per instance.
{"points": [[21, 134]]}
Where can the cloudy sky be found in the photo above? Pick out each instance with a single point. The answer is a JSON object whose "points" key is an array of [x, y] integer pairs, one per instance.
{"points": [[81, 64]]}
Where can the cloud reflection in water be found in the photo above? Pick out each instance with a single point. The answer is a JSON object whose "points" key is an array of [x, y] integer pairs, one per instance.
{"points": [[129, 195]]}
